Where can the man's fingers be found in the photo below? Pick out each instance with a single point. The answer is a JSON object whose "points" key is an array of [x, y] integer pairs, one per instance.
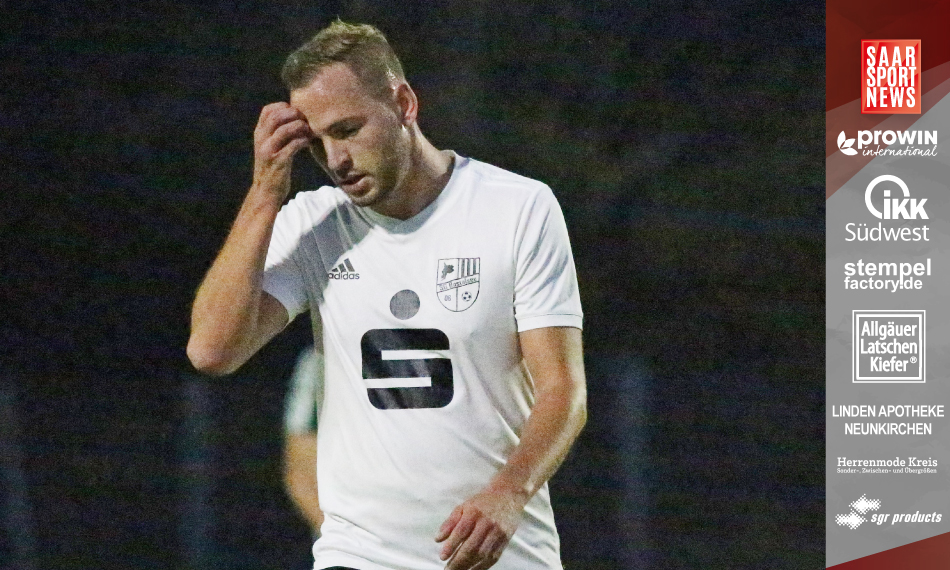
{"points": [[290, 129], [293, 131], [273, 117], [281, 132], [295, 146], [275, 111], [449, 524], [491, 549], [488, 553], [462, 530], [268, 110], [275, 106], [469, 551]]}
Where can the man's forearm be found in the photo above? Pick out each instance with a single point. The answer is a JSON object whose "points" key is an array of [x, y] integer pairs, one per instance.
{"points": [[554, 358], [225, 317], [555, 422], [477, 531], [231, 318]]}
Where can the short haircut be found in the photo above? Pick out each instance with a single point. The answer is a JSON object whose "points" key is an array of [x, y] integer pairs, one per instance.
{"points": [[362, 47]]}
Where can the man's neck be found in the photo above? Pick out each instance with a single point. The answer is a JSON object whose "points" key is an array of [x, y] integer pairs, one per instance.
{"points": [[427, 176]]}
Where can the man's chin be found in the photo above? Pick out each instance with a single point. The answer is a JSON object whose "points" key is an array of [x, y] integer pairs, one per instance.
{"points": [[366, 193], [363, 199]]}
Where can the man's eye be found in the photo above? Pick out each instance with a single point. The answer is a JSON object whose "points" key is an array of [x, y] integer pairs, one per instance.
{"points": [[343, 132]]}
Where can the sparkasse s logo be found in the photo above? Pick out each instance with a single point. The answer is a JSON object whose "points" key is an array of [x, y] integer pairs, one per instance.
{"points": [[890, 73], [905, 208]]}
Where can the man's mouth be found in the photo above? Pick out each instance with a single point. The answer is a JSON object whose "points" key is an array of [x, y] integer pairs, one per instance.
{"points": [[351, 180]]}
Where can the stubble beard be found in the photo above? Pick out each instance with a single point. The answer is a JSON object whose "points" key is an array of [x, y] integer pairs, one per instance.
{"points": [[388, 181]]}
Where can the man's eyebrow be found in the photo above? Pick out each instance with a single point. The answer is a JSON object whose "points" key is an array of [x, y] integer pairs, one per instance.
{"points": [[343, 124]]}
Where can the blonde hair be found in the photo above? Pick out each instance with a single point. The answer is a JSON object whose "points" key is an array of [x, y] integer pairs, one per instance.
{"points": [[360, 46]]}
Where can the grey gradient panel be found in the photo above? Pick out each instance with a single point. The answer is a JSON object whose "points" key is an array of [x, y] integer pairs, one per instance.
{"points": [[916, 483]]}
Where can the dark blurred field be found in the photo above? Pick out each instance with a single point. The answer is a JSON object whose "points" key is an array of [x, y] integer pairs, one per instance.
{"points": [[683, 140]]}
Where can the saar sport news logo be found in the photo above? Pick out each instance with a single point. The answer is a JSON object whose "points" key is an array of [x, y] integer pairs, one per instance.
{"points": [[890, 77], [889, 143], [863, 506]]}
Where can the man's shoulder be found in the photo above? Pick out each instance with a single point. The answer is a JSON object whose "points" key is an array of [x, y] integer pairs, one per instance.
{"points": [[489, 176], [323, 197], [309, 206]]}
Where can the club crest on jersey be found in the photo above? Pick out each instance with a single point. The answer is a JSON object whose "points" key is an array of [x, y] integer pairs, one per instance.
{"points": [[457, 282]]}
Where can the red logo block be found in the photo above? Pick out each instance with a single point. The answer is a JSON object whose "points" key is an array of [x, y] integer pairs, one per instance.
{"points": [[890, 77]]}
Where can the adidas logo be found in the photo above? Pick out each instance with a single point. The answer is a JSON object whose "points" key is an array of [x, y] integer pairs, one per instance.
{"points": [[343, 271]]}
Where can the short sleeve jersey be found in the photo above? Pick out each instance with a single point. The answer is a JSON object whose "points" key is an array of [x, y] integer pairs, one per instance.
{"points": [[425, 392], [304, 393]]}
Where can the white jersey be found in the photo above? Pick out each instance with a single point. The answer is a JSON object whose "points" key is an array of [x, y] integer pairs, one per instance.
{"points": [[425, 394], [304, 393]]}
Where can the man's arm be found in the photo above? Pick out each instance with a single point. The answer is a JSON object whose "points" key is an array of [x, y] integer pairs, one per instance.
{"points": [[232, 318], [300, 475], [478, 530]]}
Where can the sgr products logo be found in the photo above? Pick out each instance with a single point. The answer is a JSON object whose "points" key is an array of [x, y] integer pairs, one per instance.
{"points": [[863, 506], [905, 208], [890, 76], [895, 143]]}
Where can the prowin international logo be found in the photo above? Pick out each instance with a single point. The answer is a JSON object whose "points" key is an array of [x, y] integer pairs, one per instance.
{"points": [[343, 271], [845, 144], [905, 208], [889, 143], [861, 507]]}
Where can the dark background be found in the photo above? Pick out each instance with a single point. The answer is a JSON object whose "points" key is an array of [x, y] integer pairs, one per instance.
{"points": [[683, 140]]}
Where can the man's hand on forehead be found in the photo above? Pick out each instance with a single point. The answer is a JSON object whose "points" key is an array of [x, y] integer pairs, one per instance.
{"points": [[281, 132], [284, 123]]}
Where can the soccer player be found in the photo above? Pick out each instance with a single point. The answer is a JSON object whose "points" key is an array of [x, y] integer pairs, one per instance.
{"points": [[448, 309], [301, 412]]}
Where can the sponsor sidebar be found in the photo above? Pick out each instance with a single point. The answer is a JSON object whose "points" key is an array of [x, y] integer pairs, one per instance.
{"points": [[888, 323]]}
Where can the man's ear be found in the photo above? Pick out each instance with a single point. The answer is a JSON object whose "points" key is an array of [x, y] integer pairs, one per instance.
{"points": [[407, 102]]}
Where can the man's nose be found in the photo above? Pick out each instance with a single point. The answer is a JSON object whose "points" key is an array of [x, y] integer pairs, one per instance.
{"points": [[338, 156]]}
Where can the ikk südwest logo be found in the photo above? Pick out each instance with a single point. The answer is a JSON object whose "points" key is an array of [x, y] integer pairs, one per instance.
{"points": [[890, 77]]}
